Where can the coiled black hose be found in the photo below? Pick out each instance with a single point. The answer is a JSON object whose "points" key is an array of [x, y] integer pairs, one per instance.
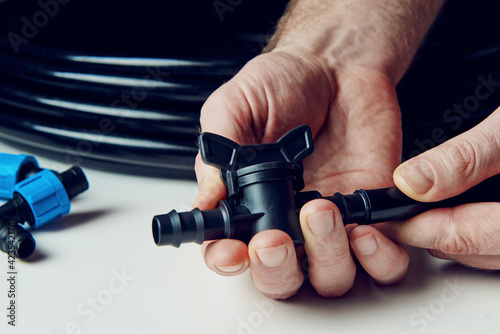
{"points": [[140, 113]]}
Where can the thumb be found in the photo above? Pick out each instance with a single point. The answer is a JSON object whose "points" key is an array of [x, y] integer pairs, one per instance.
{"points": [[454, 166], [227, 114], [211, 188]]}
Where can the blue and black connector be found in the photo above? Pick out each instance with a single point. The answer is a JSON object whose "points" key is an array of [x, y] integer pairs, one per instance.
{"points": [[263, 185], [35, 196], [13, 169]]}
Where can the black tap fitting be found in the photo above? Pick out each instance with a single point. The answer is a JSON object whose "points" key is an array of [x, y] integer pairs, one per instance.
{"points": [[263, 183]]}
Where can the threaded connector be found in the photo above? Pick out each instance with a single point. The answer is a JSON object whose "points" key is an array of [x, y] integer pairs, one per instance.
{"points": [[15, 240], [13, 169]]}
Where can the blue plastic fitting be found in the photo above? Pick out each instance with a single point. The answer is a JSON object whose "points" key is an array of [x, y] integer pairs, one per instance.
{"points": [[14, 168], [37, 200], [46, 196]]}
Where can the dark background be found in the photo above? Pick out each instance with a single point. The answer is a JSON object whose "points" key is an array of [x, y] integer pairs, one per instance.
{"points": [[462, 45]]}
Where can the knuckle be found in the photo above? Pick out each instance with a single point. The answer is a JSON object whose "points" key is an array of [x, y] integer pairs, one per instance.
{"points": [[282, 287], [393, 270], [328, 252], [326, 257], [463, 158], [332, 272], [454, 244], [457, 240], [279, 292]]}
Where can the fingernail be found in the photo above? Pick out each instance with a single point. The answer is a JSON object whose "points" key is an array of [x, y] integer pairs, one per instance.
{"points": [[321, 223], [419, 176], [272, 256], [366, 245], [232, 268]]}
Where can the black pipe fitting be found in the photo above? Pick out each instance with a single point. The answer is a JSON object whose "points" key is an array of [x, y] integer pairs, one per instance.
{"points": [[263, 183], [15, 240]]}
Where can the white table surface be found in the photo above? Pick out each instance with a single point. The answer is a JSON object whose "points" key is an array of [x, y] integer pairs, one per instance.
{"points": [[168, 290]]}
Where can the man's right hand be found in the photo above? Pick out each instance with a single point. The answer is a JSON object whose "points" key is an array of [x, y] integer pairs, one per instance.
{"points": [[333, 66], [355, 121]]}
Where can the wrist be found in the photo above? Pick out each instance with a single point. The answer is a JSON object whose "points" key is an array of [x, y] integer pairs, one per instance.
{"points": [[382, 36]]}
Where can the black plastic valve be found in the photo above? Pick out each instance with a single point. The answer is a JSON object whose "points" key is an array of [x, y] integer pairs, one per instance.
{"points": [[263, 183]]}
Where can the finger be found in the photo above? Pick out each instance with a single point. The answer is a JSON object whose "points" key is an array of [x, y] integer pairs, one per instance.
{"points": [[385, 261], [489, 262], [455, 166], [248, 109], [211, 189], [224, 113], [471, 229], [226, 257], [331, 267], [273, 264], [227, 113]]}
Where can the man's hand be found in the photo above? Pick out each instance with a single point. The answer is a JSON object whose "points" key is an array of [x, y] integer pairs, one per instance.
{"points": [[355, 121], [469, 233], [332, 65]]}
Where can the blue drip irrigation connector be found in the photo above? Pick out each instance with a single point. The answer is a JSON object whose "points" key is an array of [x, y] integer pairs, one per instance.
{"points": [[37, 201], [46, 196], [13, 169]]}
